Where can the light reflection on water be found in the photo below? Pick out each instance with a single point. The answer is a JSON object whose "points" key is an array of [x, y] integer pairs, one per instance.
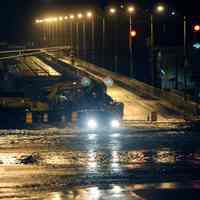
{"points": [[111, 191], [92, 161], [165, 156], [113, 158]]}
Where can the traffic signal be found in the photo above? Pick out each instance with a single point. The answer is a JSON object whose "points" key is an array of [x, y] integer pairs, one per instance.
{"points": [[196, 36]]}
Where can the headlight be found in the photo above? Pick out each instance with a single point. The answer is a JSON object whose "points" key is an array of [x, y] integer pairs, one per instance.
{"points": [[115, 123], [92, 124]]}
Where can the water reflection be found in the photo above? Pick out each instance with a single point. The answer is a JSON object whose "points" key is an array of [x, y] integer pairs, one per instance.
{"points": [[95, 158], [8, 159], [56, 196], [92, 161], [92, 136], [168, 186], [165, 157]]}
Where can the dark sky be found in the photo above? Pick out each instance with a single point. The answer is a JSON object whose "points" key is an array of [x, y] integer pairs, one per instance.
{"points": [[15, 14]]}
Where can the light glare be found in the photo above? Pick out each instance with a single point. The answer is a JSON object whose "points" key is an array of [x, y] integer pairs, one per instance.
{"points": [[89, 14], [80, 16], [115, 123], [71, 16], [131, 9], [133, 33], [112, 10], [61, 18], [197, 27], [92, 124], [160, 8]]}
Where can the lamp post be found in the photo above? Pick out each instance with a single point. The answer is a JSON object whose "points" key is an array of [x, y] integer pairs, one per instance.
{"points": [[66, 30], [80, 16], [112, 12], [90, 16], [71, 31], [159, 9], [84, 40], [131, 10]]}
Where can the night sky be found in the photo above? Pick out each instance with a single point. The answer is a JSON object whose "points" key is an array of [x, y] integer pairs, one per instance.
{"points": [[15, 14]]}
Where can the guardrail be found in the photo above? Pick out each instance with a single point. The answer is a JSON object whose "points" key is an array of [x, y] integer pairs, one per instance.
{"points": [[28, 52], [167, 98]]}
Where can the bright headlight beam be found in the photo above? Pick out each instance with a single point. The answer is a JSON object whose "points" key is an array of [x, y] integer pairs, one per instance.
{"points": [[92, 124], [115, 123]]}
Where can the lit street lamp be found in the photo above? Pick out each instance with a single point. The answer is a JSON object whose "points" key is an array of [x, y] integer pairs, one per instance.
{"points": [[133, 33], [90, 16], [159, 9], [131, 11], [71, 17], [112, 12], [79, 16]]}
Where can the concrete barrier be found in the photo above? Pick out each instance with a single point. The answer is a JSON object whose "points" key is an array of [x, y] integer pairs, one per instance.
{"points": [[167, 98]]}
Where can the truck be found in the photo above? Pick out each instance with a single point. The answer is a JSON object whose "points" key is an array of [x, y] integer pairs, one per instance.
{"points": [[74, 99]]}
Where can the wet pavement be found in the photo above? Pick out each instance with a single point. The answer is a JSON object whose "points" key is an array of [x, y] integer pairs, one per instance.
{"points": [[129, 164]]}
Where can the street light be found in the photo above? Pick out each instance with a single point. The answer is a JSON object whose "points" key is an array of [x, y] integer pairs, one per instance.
{"points": [[131, 11], [158, 9], [112, 10], [80, 16], [133, 33], [60, 18], [196, 28], [71, 16], [89, 15], [55, 19], [37, 21]]}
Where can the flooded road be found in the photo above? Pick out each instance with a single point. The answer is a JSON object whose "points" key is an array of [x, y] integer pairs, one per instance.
{"points": [[129, 164]]}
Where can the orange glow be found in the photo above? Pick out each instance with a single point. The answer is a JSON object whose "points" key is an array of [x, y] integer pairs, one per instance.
{"points": [[112, 10], [61, 18], [131, 9], [160, 8], [80, 16], [89, 14], [71, 16], [197, 28], [133, 33]]}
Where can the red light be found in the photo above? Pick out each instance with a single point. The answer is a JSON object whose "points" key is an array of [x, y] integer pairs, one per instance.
{"points": [[197, 28]]}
